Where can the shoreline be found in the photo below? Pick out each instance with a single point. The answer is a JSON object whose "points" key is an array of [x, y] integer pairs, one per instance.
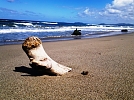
{"points": [[64, 38], [109, 61]]}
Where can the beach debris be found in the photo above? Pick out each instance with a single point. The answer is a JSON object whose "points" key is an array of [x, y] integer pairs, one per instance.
{"points": [[76, 32], [39, 60], [99, 53], [84, 73], [124, 30]]}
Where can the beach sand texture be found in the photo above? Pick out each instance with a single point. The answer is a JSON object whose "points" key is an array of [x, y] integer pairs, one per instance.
{"points": [[109, 61]]}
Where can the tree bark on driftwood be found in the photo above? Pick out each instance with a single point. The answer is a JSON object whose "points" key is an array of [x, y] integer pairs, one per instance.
{"points": [[39, 59]]}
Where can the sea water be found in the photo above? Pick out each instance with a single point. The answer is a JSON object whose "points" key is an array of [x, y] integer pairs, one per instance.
{"points": [[16, 31]]}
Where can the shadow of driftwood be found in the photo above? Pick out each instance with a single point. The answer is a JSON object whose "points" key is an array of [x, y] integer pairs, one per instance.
{"points": [[31, 71]]}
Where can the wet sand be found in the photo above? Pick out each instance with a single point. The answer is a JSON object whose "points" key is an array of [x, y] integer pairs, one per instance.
{"points": [[109, 61]]}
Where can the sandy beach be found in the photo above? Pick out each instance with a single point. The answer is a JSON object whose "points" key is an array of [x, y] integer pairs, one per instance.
{"points": [[109, 61]]}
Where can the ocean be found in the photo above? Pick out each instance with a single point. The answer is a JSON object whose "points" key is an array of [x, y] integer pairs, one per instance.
{"points": [[16, 31]]}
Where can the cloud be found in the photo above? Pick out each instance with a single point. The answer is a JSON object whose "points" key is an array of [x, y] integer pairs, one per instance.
{"points": [[121, 3], [10, 0], [121, 8], [86, 12], [9, 13], [117, 10]]}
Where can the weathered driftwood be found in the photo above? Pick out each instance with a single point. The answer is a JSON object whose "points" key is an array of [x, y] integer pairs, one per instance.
{"points": [[39, 59]]}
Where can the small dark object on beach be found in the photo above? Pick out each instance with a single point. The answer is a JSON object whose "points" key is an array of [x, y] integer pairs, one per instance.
{"points": [[99, 53], [124, 30], [84, 73], [76, 32]]}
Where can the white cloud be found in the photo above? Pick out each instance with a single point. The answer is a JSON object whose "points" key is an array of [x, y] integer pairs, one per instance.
{"points": [[118, 10], [87, 12], [113, 11], [124, 9], [121, 3]]}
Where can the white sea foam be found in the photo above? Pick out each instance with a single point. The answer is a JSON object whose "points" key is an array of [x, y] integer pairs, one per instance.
{"points": [[63, 29], [26, 24], [50, 22]]}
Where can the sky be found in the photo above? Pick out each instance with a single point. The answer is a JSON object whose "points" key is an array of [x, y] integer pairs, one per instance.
{"points": [[87, 11]]}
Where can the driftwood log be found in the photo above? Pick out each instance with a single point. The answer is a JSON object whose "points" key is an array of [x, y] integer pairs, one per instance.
{"points": [[39, 59]]}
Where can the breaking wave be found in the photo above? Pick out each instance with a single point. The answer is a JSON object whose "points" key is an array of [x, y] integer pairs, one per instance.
{"points": [[17, 30]]}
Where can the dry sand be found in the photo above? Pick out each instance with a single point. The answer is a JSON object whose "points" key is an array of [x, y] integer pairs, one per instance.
{"points": [[109, 61]]}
